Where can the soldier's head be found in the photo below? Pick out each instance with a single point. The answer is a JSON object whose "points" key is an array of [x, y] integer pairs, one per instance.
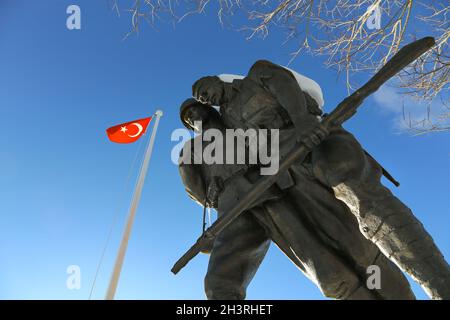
{"points": [[192, 112]]}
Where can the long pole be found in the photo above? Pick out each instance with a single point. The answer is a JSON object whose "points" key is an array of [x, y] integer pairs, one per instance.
{"points": [[132, 213]]}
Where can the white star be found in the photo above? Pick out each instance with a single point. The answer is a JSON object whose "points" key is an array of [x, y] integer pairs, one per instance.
{"points": [[123, 129]]}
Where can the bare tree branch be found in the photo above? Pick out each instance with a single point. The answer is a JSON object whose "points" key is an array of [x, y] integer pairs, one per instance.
{"points": [[341, 31]]}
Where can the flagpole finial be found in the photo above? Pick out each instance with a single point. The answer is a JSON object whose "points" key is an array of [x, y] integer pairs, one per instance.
{"points": [[159, 113]]}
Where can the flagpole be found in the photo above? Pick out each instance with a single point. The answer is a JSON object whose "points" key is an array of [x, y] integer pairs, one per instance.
{"points": [[132, 212]]}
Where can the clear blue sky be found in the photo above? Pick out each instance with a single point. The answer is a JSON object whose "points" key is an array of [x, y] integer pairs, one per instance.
{"points": [[62, 181]]}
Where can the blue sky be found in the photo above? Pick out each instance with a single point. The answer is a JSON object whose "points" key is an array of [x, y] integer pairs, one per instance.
{"points": [[62, 182]]}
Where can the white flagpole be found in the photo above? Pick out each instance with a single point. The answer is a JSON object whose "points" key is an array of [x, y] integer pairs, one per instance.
{"points": [[134, 204]]}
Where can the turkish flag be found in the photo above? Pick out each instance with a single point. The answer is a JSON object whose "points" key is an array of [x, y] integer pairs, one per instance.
{"points": [[128, 132]]}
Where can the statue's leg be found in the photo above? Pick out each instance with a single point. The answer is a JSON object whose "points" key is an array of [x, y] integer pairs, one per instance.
{"points": [[325, 267], [393, 283], [338, 229], [340, 163], [236, 255]]}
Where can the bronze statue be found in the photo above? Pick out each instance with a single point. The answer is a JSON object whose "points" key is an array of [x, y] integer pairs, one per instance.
{"points": [[336, 168], [322, 240]]}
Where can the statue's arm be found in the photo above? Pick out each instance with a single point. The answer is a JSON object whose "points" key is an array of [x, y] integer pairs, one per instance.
{"points": [[282, 84]]}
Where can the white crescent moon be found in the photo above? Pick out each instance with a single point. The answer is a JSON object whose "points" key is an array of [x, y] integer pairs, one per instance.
{"points": [[140, 128]]}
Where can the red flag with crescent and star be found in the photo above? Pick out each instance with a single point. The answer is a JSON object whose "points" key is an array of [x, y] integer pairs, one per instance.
{"points": [[128, 132]]}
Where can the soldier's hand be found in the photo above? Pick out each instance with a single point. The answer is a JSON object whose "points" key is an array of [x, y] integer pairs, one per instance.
{"points": [[314, 137], [209, 90], [207, 248]]}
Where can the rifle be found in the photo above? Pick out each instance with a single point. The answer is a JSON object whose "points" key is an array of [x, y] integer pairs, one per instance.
{"points": [[344, 111]]}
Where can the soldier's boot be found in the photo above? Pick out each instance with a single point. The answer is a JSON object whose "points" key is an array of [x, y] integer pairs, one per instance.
{"points": [[391, 225]]}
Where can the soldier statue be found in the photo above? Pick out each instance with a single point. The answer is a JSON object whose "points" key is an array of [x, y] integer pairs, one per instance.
{"points": [[301, 212], [302, 217]]}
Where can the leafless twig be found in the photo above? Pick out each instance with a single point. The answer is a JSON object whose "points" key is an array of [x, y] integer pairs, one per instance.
{"points": [[341, 31]]}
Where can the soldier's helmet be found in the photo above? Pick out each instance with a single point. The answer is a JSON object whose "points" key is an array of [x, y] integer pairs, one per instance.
{"points": [[190, 103]]}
